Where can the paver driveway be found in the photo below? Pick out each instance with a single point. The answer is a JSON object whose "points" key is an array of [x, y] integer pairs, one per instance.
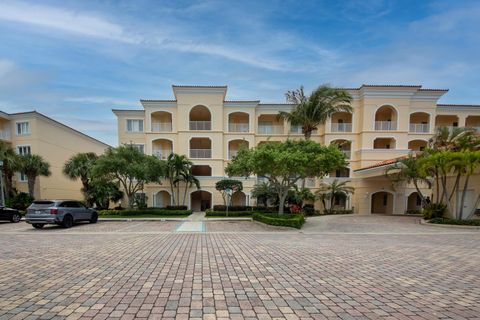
{"points": [[347, 267]]}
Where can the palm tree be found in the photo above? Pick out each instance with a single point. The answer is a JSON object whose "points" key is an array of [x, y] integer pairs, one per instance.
{"points": [[314, 110], [11, 164], [263, 192], [190, 181], [79, 166], [176, 165], [334, 190], [33, 166], [458, 138]]}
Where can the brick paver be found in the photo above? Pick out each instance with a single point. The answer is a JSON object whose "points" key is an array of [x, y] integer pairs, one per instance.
{"points": [[144, 270]]}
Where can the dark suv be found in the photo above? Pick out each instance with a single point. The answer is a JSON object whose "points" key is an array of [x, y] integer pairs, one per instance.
{"points": [[9, 214], [61, 212]]}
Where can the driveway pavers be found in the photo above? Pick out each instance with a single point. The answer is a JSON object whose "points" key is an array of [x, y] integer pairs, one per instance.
{"points": [[348, 267]]}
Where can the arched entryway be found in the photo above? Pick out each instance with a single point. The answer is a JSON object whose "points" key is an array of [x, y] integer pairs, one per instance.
{"points": [[200, 200], [162, 199], [200, 118], [382, 203], [239, 199], [414, 202]]}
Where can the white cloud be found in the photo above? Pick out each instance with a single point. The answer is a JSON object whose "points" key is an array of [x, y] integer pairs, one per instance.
{"points": [[102, 100]]}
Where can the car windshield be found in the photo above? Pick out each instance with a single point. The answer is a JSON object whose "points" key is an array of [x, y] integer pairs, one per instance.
{"points": [[41, 204]]}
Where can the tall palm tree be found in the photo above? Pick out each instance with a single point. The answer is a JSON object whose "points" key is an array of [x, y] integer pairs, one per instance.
{"points": [[11, 164], [79, 166], [316, 109], [457, 138], [190, 181], [33, 166], [176, 165], [333, 190]]}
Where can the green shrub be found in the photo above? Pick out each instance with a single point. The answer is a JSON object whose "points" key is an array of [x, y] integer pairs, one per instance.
{"points": [[20, 201], [176, 208], [455, 222], [213, 213], [337, 211], [270, 209], [413, 212], [284, 220], [308, 210], [159, 212], [434, 210], [231, 208]]}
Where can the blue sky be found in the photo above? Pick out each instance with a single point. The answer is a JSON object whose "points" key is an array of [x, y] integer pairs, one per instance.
{"points": [[76, 60]]}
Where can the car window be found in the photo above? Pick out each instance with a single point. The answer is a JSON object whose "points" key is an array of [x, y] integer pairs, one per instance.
{"points": [[41, 204]]}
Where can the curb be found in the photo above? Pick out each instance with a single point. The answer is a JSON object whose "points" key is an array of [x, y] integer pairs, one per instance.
{"points": [[454, 226], [174, 219]]}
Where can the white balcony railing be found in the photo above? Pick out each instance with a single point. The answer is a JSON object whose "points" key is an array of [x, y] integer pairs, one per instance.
{"points": [[341, 127], [200, 125], [200, 153], [270, 129], [232, 153], [419, 127], [296, 129], [385, 125], [162, 154], [238, 127], [161, 126], [5, 135]]}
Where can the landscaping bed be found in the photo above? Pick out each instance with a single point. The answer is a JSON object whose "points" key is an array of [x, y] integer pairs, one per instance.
{"points": [[144, 213], [220, 214], [284, 220], [456, 222]]}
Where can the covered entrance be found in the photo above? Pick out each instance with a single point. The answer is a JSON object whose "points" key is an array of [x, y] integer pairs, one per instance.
{"points": [[382, 203], [200, 200]]}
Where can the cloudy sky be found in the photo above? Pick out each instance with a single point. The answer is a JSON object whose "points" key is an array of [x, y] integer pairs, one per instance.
{"points": [[76, 60]]}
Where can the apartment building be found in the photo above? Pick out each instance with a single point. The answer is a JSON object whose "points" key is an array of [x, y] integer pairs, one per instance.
{"points": [[35, 133], [387, 122]]}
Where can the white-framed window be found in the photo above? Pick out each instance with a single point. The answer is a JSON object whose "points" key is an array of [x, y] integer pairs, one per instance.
{"points": [[140, 147], [23, 128], [134, 125], [23, 150]]}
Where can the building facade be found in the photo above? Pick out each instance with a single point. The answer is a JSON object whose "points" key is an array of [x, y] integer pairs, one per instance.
{"points": [[35, 133], [387, 122]]}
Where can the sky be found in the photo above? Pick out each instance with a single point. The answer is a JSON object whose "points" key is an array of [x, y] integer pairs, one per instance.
{"points": [[76, 60]]}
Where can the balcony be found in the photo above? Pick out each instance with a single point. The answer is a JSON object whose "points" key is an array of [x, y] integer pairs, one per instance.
{"points": [[238, 127], [162, 154], [200, 153], [200, 125], [385, 125], [161, 127], [419, 127], [341, 127], [270, 129]]}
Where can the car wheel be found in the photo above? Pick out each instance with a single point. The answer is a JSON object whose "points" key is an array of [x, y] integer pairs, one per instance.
{"points": [[94, 218], [67, 221], [38, 225], [16, 217]]}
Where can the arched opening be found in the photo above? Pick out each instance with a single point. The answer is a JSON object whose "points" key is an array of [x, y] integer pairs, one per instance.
{"points": [[238, 122], [341, 122], [270, 124], [384, 143], [200, 200], [202, 170], [200, 148], [239, 199], [473, 122], [340, 173], [449, 121], [420, 122], [161, 121], [382, 203], [386, 118], [417, 145], [200, 118], [162, 148], [234, 146], [162, 199], [414, 202], [345, 146]]}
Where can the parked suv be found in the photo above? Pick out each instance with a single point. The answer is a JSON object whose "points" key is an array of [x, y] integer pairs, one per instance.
{"points": [[9, 214], [61, 212]]}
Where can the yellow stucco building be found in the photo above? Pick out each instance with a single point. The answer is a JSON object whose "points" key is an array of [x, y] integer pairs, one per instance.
{"points": [[35, 133], [387, 122]]}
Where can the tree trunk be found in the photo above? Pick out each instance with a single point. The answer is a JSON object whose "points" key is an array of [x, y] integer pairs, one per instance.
{"points": [[130, 200], [172, 191], [464, 192], [8, 185], [31, 185], [415, 183], [452, 211], [283, 197], [185, 193], [437, 182], [455, 186]]}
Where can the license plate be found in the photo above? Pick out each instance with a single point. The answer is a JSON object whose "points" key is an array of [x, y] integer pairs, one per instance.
{"points": [[38, 211]]}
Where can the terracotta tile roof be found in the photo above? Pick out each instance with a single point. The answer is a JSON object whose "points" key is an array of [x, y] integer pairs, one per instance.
{"points": [[382, 163]]}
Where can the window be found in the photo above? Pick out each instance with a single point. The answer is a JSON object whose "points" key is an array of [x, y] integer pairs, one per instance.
{"points": [[23, 128], [134, 125], [23, 150], [139, 147]]}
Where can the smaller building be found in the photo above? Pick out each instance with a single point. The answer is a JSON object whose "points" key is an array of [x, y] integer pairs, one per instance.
{"points": [[34, 133]]}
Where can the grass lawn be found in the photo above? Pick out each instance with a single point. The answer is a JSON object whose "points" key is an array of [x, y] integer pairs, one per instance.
{"points": [[117, 216]]}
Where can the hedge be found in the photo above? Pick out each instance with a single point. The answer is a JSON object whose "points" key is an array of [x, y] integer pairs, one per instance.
{"points": [[159, 212], [455, 222], [231, 208], [337, 211], [212, 213], [285, 220]]}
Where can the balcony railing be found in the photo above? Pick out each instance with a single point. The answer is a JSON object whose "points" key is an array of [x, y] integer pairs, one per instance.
{"points": [[296, 129], [270, 129], [5, 135], [162, 154], [200, 125], [200, 153], [238, 127], [161, 126], [385, 125], [419, 127], [341, 127]]}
